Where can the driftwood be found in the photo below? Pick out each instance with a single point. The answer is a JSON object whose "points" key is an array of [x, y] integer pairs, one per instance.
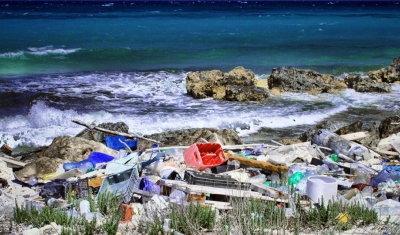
{"points": [[259, 164], [91, 126]]}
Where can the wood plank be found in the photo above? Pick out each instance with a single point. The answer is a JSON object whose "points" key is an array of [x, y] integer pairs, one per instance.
{"points": [[15, 162]]}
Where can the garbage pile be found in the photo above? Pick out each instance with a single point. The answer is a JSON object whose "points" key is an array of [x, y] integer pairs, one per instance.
{"points": [[330, 167]]}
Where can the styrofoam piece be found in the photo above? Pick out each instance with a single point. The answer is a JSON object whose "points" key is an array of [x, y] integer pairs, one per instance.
{"points": [[319, 187]]}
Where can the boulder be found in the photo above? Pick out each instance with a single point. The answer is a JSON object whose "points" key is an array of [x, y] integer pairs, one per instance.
{"points": [[366, 84], [289, 79], [63, 149], [99, 136], [237, 85], [190, 136], [389, 74], [10, 196], [388, 126]]}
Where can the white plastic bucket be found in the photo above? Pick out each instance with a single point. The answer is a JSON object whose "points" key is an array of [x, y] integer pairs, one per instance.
{"points": [[319, 187]]}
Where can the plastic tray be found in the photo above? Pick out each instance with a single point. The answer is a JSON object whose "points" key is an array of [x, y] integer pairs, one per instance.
{"points": [[213, 180]]}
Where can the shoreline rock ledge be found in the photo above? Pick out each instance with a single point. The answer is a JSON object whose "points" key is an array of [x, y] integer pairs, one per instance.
{"points": [[239, 84], [284, 79]]}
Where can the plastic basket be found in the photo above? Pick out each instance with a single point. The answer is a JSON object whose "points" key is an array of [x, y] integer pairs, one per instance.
{"points": [[121, 183], [204, 155], [212, 180]]}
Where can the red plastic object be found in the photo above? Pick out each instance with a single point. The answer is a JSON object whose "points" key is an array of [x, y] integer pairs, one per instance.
{"points": [[204, 155]]}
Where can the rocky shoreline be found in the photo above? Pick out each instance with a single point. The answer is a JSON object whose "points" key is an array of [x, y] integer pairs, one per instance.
{"points": [[240, 84]]}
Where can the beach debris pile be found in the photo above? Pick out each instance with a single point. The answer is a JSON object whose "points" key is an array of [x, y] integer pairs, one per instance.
{"points": [[328, 167]]}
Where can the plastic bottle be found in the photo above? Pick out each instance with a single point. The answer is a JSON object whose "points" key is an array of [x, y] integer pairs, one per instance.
{"points": [[72, 165], [295, 178], [334, 157]]}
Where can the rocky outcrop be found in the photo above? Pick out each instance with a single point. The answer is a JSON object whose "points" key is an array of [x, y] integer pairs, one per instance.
{"points": [[389, 74], [366, 84], [189, 136], [99, 136], [237, 85], [388, 126], [63, 149], [284, 79]]}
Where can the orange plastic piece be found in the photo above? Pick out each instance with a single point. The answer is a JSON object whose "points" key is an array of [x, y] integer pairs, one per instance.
{"points": [[204, 155], [126, 211]]}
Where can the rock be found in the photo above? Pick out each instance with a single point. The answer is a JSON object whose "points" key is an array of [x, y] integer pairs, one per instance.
{"points": [[13, 194], [237, 85], [63, 149], [388, 126], [352, 128], [289, 79], [6, 172], [373, 139], [307, 136], [99, 136], [190, 136], [366, 84], [388, 74]]}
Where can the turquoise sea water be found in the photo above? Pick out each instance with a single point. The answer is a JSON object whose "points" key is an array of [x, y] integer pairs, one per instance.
{"points": [[127, 61]]}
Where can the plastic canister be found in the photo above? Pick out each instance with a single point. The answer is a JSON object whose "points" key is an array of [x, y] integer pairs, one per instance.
{"points": [[321, 187]]}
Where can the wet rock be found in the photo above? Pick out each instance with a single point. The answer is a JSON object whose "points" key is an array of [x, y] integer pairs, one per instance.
{"points": [[63, 149], [366, 84], [373, 139], [307, 136], [189, 136], [388, 126], [352, 128], [99, 136], [389, 74], [289, 79], [237, 85]]}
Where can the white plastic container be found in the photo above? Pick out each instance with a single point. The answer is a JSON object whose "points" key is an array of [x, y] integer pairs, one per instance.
{"points": [[319, 187]]}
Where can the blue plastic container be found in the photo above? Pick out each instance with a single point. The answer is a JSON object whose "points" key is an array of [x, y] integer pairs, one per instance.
{"points": [[113, 142]]}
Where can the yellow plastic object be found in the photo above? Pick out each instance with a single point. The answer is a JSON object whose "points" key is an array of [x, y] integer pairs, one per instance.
{"points": [[343, 217], [48, 176], [97, 181]]}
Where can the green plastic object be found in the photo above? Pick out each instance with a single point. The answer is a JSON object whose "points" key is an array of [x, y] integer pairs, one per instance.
{"points": [[334, 157], [268, 183], [295, 178]]}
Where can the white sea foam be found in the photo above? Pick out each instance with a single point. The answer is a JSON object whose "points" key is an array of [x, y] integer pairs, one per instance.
{"points": [[51, 50], [12, 54], [39, 51]]}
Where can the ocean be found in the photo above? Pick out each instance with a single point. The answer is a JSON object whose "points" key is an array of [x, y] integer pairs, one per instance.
{"points": [[127, 61]]}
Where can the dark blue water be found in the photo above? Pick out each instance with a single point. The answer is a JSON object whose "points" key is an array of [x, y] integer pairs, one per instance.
{"points": [[127, 61]]}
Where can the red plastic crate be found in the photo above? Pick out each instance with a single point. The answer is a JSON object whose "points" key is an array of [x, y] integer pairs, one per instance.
{"points": [[204, 155]]}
